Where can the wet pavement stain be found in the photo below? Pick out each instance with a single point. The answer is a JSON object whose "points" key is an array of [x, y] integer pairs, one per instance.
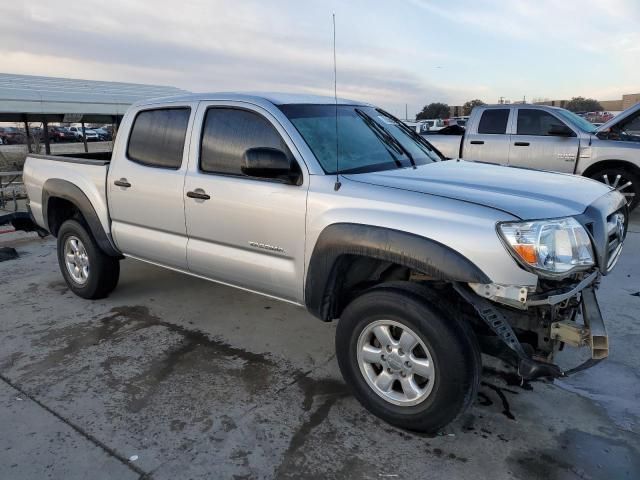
{"points": [[506, 408], [512, 379], [578, 455], [123, 321], [484, 400], [326, 392], [11, 360], [195, 351], [59, 286]]}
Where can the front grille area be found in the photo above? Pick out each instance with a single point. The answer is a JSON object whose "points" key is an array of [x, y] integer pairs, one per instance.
{"points": [[606, 220], [616, 231]]}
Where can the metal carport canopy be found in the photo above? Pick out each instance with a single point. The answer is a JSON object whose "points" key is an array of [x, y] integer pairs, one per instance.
{"points": [[34, 98]]}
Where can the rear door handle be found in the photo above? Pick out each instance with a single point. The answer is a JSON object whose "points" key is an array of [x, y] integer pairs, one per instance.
{"points": [[198, 194], [477, 142], [122, 183], [521, 144]]}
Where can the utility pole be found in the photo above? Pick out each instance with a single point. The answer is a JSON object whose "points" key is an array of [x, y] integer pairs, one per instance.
{"points": [[406, 111]]}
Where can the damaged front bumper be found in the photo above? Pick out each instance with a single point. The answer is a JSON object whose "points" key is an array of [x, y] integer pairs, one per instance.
{"points": [[558, 329]]}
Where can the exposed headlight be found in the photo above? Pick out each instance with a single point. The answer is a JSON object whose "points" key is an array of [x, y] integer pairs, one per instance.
{"points": [[553, 247]]}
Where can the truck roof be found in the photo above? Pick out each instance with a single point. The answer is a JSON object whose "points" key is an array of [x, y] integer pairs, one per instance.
{"points": [[520, 105], [275, 98]]}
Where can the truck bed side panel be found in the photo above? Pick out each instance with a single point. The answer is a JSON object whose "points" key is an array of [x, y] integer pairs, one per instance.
{"points": [[88, 175]]}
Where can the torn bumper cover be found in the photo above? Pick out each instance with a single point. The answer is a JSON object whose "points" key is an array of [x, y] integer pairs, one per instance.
{"points": [[592, 334]]}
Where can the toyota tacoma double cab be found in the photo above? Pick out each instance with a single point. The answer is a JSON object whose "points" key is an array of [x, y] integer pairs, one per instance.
{"points": [[550, 138], [338, 207]]}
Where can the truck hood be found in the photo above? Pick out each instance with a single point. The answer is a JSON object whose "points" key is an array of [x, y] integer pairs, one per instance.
{"points": [[523, 193], [618, 118]]}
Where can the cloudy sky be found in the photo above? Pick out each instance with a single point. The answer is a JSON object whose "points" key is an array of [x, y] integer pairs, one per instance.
{"points": [[389, 52]]}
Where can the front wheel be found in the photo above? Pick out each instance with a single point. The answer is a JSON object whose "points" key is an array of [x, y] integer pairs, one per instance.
{"points": [[89, 272], [624, 181], [406, 362]]}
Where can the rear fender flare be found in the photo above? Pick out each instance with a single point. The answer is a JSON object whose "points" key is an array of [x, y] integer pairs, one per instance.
{"points": [[58, 188]]}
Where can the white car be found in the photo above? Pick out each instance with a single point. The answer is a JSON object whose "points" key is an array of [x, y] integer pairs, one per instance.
{"points": [[90, 134]]}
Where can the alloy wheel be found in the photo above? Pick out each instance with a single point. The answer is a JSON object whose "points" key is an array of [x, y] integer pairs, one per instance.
{"points": [[76, 260], [395, 363], [621, 184]]}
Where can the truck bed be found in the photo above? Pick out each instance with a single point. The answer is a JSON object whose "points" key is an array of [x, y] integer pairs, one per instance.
{"points": [[89, 174]]}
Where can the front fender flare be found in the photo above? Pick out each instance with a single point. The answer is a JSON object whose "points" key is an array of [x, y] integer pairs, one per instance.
{"points": [[413, 251]]}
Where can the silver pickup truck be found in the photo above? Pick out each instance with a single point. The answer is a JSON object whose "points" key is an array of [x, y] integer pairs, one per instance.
{"points": [[425, 263], [550, 138]]}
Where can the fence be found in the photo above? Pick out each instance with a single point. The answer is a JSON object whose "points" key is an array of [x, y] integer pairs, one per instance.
{"points": [[11, 190]]}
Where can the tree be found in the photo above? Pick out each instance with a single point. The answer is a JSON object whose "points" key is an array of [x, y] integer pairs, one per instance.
{"points": [[581, 104], [434, 110], [468, 106]]}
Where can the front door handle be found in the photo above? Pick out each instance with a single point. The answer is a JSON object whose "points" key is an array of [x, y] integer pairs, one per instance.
{"points": [[521, 144], [477, 142], [122, 183], [198, 194]]}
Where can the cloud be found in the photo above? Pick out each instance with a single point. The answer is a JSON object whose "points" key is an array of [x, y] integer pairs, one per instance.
{"points": [[590, 25], [387, 53], [204, 46]]}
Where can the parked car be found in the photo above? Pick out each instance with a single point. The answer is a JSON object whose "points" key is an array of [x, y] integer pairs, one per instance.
{"points": [[91, 135], [551, 138], [60, 134], [77, 132], [11, 135], [425, 263], [103, 134], [459, 121]]}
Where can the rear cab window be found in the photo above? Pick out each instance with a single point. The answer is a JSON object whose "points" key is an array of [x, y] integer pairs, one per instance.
{"points": [[157, 137], [494, 121]]}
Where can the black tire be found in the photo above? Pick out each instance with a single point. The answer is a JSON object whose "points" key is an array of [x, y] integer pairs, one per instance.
{"points": [[609, 176], [104, 270], [451, 343]]}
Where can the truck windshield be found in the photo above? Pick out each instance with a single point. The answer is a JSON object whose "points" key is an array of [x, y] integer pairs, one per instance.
{"points": [[578, 121], [369, 139]]}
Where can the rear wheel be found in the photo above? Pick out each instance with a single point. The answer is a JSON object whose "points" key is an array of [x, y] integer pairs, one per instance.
{"points": [[405, 360], [624, 181], [88, 271]]}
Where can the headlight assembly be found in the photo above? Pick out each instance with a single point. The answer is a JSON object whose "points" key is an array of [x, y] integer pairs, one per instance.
{"points": [[553, 247]]}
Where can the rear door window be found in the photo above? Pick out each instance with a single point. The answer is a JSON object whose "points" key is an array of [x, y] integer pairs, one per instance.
{"points": [[157, 137], [494, 121]]}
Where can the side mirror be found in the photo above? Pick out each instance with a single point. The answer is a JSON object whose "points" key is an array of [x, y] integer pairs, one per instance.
{"points": [[271, 163], [560, 130]]}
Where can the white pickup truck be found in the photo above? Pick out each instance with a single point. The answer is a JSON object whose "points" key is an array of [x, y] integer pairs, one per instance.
{"points": [[550, 138], [425, 263]]}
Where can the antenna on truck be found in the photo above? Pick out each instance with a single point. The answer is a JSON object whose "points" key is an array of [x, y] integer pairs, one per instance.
{"points": [[337, 185]]}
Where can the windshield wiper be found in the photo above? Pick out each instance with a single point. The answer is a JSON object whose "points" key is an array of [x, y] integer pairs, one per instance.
{"points": [[385, 141], [386, 136], [403, 126]]}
